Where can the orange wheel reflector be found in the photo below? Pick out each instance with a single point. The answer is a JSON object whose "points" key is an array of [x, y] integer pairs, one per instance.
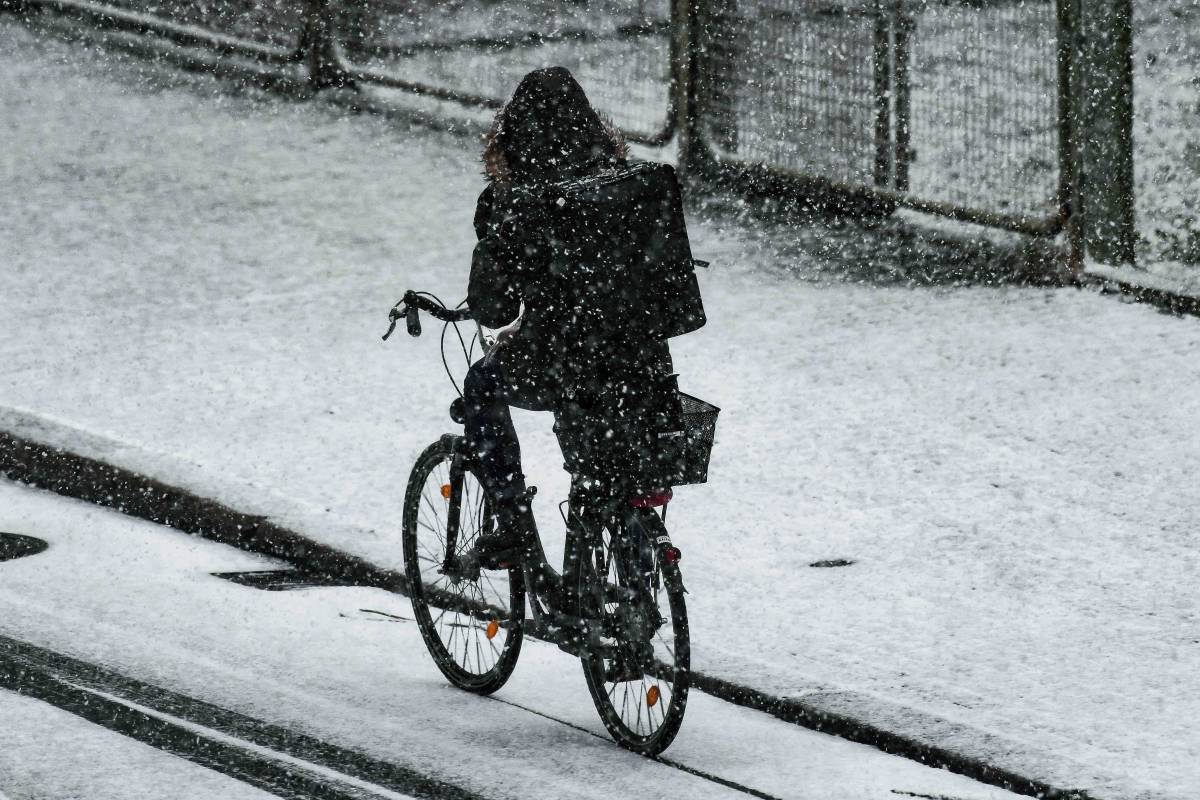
{"points": [[652, 696], [446, 490], [492, 629]]}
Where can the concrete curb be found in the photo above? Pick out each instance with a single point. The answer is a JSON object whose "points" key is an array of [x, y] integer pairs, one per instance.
{"points": [[84, 478], [1169, 294]]}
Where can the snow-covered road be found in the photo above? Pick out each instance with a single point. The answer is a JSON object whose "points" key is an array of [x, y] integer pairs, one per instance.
{"points": [[193, 287], [347, 666], [46, 752]]}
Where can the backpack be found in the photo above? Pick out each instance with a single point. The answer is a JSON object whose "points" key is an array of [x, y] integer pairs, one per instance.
{"points": [[626, 229]]}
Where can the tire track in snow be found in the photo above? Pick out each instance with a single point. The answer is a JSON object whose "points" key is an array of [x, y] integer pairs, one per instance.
{"points": [[266, 756], [269, 757]]}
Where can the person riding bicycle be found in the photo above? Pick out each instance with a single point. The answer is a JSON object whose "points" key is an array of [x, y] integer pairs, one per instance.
{"points": [[543, 267]]}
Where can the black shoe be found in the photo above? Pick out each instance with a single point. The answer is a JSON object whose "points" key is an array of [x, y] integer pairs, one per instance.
{"points": [[499, 550], [515, 528]]}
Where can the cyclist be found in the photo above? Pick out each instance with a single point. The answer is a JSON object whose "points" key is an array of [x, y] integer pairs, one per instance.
{"points": [[552, 349]]}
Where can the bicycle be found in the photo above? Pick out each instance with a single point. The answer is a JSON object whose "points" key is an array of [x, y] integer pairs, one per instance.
{"points": [[618, 603]]}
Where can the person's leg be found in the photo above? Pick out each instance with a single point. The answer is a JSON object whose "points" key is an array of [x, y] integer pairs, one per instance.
{"points": [[489, 428], [488, 395]]}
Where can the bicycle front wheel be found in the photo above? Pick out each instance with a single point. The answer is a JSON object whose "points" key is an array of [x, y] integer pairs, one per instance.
{"points": [[471, 620], [639, 676]]}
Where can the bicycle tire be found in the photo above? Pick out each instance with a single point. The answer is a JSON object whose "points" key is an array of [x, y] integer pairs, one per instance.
{"points": [[670, 666], [475, 604]]}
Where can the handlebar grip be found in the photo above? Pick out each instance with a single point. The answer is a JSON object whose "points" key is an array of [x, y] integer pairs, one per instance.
{"points": [[412, 320]]}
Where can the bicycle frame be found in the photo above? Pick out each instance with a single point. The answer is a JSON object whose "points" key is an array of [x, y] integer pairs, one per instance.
{"points": [[555, 616]]}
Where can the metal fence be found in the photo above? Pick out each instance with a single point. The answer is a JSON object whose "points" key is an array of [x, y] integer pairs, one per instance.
{"points": [[475, 51], [951, 107], [793, 85], [956, 107], [269, 22], [985, 107]]}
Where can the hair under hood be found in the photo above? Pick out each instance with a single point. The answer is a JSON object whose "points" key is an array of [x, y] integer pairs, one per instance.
{"points": [[547, 128]]}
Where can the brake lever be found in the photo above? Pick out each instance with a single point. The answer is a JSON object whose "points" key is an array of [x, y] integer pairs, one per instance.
{"points": [[393, 315]]}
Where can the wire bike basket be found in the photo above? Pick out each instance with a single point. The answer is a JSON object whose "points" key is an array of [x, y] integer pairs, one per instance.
{"points": [[694, 440], [643, 439]]}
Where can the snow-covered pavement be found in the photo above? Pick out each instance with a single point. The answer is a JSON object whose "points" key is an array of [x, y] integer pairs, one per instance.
{"points": [[195, 281], [48, 753], [347, 666]]}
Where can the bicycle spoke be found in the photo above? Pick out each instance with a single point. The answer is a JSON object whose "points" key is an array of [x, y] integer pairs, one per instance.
{"points": [[433, 510], [424, 524], [498, 593], [470, 508], [466, 646], [433, 557]]}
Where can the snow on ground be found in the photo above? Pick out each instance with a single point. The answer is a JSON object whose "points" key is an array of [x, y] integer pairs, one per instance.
{"points": [[47, 753], [313, 661], [196, 281]]}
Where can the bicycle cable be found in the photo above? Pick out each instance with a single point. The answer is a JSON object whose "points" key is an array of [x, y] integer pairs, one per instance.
{"points": [[445, 363], [442, 341]]}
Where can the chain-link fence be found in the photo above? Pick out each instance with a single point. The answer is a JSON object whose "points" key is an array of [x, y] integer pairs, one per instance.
{"points": [[477, 50], [950, 106], [984, 115], [793, 85]]}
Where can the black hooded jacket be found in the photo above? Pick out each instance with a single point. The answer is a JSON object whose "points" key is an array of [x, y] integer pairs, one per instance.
{"points": [[539, 250]]}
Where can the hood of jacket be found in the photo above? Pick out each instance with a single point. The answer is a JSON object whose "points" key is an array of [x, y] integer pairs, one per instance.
{"points": [[549, 129]]}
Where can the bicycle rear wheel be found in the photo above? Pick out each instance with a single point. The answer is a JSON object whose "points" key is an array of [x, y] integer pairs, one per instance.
{"points": [[471, 621], [639, 677]]}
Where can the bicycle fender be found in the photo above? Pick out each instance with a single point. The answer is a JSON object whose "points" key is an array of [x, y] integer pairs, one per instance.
{"points": [[453, 443], [655, 530]]}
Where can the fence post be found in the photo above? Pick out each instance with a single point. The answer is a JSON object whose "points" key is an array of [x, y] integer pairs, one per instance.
{"points": [[319, 48], [1069, 189], [691, 16], [905, 24], [725, 48], [1103, 84], [882, 56]]}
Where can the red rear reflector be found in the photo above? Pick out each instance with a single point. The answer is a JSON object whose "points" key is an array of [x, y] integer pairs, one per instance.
{"points": [[673, 554], [652, 500]]}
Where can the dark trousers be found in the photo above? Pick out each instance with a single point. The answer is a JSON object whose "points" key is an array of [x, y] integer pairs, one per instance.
{"points": [[488, 393], [491, 388]]}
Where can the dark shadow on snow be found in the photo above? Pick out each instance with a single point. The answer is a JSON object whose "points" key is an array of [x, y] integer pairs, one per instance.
{"points": [[15, 545]]}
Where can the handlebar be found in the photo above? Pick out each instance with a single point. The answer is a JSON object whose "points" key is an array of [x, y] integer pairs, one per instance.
{"points": [[409, 306]]}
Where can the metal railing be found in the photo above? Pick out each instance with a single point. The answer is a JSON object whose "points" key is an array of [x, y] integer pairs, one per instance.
{"points": [[266, 22], [954, 107], [475, 53]]}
